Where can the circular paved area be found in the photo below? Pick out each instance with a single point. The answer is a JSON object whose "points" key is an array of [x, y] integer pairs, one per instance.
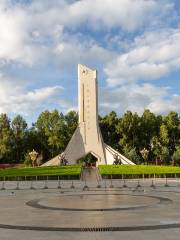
{"points": [[73, 210], [99, 201]]}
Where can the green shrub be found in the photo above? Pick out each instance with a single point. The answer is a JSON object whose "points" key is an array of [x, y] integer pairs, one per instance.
{"points": [[108, 170]]}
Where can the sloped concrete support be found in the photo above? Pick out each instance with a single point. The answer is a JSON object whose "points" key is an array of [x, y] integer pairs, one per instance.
{"points": [[111, 154]]}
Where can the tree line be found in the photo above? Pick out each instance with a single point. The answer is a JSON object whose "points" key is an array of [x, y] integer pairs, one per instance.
{"points": [[145, 139]]}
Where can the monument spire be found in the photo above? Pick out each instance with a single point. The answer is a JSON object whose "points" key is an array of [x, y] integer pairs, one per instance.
{"points": [[87, 137]]}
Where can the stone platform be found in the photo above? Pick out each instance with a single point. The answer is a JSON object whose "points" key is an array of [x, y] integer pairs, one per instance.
{"points": [[132, 209]]}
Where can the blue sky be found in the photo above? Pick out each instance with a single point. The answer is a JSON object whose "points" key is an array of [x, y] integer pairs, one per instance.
{"points": [[134, 45]]}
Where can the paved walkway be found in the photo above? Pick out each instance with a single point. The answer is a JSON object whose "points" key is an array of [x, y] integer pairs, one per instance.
{"points": [[135, 211]]}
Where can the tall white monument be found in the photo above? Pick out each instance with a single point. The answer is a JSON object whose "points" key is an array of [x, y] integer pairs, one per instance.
{"points": [[87, 137]]}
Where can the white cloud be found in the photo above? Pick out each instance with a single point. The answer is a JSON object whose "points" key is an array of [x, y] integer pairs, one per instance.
{"points": [[136, 98], [28, 32], [126, 14], [40, 95], [15, 98], [152, 56], [74, 51], [67, 32], [163, 106], [16, 36]]}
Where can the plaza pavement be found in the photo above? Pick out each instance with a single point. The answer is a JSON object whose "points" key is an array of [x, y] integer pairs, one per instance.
{"points": [[109, 209]]}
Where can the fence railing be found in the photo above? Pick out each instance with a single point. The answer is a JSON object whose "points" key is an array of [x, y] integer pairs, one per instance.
{"points": [[47, 182]]}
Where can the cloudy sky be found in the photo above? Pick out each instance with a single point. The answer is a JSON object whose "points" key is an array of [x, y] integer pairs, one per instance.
{"points": [[134, 45]]}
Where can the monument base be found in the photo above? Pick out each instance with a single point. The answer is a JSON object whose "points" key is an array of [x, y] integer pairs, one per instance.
{"points": [[110, 154]]}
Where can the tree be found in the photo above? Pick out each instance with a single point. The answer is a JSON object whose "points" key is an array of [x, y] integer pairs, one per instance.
{"points": [[129, 129], [165, 155], [156, 149], [108, 125], [149, 127], [5, 139], [19, 130], [52, 130], [164, 135], [71, 123], [133, 156], [176, 156], [38, 135], [145, 154], [34, 140], [172, 122], [160, 136]]}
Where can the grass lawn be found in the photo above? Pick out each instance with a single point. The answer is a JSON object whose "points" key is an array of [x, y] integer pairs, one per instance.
{"points": [[70, 171], [116, 171]]}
